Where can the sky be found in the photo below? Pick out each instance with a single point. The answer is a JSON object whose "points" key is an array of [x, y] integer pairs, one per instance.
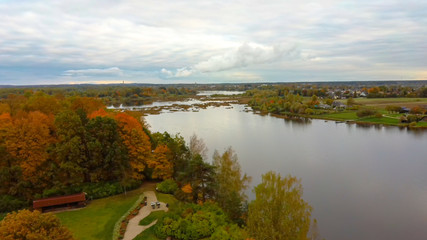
{"points": [[169, 41]]}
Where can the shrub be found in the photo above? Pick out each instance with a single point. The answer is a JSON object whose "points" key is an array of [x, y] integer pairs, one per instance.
{"points": [[378, 115], [9, 203], [366, 112], [167, 186], [413, 118]]}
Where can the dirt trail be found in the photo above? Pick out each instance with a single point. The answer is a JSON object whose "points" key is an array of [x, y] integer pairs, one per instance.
{"points": [[133, 228]]}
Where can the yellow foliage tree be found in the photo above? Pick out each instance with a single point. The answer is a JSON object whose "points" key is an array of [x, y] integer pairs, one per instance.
{"points": [[161, 163], [187, 188], [27, 140], [27, 225]]}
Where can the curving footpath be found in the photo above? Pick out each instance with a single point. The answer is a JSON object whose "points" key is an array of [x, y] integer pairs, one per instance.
{"points": [[133, 227]]}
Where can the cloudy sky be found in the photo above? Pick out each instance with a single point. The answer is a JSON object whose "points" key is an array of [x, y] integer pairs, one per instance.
{"points": [[144, 41]]}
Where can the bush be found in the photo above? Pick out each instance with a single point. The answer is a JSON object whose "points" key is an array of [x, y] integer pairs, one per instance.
{"points": [[93, 190], [413, 118], [366, 112], [167, 186], [9, 203]]}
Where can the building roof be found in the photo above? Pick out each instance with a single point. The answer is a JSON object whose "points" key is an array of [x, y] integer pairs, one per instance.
{"points": [[52, 201]]}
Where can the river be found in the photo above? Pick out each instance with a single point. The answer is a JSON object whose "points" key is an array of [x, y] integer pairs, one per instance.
{"points": [[363, 182]]}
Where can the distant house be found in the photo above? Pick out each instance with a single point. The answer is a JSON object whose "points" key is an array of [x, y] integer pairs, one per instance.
{"points": [[69, 201], [404, 110], [339, 105], [323, 106]]}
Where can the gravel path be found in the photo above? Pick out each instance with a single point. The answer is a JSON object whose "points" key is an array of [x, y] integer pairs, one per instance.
{"points": [[133, 228]]}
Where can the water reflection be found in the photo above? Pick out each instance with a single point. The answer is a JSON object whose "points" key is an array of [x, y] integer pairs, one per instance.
{"points": [[364, 182]]}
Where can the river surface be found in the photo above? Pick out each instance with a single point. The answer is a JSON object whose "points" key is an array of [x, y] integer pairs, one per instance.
{"points": [[363, 182]]}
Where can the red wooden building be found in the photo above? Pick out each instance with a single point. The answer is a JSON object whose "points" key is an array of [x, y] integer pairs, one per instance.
{"points": [[69, 201]]}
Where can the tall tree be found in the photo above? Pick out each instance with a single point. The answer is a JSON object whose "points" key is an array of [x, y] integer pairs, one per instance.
{"points": [[108, 158], [137, 143], [179, 151], [27, 225], [198, 146], [71, 149], [279, 212], [161, 163], [201, 177], [230, 183], [28, 141]]}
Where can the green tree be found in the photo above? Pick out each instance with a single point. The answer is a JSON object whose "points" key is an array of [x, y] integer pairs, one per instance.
{"points": [[351, 102], [108, 158], [279, 212], [230, 183], [71, 149], [201, 177]]}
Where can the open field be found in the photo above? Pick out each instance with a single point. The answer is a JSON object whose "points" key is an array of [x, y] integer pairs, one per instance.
{"points": [[383, 102], [340, 116], [96, 221]]}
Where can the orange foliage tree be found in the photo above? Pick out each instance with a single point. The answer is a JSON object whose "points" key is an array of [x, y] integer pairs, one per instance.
{"points": [[27, 140], [27, 225], [161, 163], [136, 142], [87, 104], [98, 113]]}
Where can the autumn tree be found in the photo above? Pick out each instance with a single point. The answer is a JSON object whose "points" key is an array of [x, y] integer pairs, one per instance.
{"points": [[278, 211], [230, 184], [28, 140], [27, 225], [88, 105], [138, 145], [178, 149], [161, 163], [43, 103]]}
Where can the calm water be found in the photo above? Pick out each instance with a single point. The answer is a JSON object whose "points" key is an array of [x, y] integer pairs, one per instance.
{"points": [[363, 183]]}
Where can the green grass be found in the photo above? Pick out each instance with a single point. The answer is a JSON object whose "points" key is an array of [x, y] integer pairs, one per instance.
{"points": [[422, 124], [382, 102], [150, 218], [169, 199], [97, 220], [148, 234], [383, 120], [340, 116]]}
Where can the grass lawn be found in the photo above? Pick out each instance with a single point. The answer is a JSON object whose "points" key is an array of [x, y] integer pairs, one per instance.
{"points": [[422, 124], [382, 102], [340, 116], [148, 234], [97, 220], [383, 120], [150, 218]]}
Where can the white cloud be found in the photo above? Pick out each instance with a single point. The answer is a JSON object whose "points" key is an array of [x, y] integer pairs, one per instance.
{"points": [[247, 54], [114, 71]]}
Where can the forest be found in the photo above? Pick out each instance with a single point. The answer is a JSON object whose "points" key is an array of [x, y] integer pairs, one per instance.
{"points": [[53, 145]]}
